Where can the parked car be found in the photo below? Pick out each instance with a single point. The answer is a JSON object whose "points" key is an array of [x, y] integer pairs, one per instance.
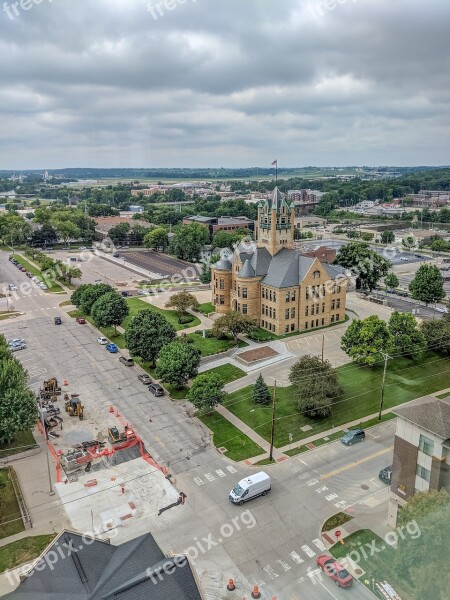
{"points": [[353, 436], [23, 269], [402, 293], [116, 254], [82, 248], [385, 474], [43, 286], [112, 348], [57, 320], [103, 341], [143, 293], [16, 341], [81, 320], [125, 294], [128, 362], [17, 347], [442, 309], [156, 389], [28, 274], [12, 287], [404, 258], [145, 379], [334, 570]]}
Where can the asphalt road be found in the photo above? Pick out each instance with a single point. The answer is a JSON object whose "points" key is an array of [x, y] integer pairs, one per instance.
{"points": [[408, 305], [162, 264]]}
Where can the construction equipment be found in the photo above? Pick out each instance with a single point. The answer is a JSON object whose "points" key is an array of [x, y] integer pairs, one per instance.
{"points": [[50, 390], [73, 406], [117, 437]]}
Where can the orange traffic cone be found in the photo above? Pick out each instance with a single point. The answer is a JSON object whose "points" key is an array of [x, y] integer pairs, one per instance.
{"points": [[111, 409], [256, 593], [231, 587], [65, 382]]}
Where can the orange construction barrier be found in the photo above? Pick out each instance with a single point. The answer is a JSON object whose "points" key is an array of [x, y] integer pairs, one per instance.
{"points": [[256, 593], [231, 587], [65, 382], [111, 409]]}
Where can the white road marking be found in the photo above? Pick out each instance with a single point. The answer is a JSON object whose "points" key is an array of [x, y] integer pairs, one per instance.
{"points": [[312, 482], [220, 473], [341, 504], [321, 489], [319, 544], [283, 564], [331, 497], [308, 551], [296, 558], [198, 480], [303, 476], [270, 572], [231, 469], [304, 463], [209, 477]]}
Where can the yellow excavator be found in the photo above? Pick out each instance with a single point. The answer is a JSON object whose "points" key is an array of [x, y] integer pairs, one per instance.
{"points": [[73, 406], [50, 390]]}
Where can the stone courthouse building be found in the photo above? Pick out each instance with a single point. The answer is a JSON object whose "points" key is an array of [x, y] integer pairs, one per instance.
{"points": [[272, 282]]}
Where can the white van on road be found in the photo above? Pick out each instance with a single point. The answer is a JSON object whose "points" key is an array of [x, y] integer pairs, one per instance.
{"points": [[251, 487]]}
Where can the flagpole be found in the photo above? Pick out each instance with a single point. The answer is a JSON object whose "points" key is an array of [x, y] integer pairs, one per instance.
{"points": [[276, 174]]}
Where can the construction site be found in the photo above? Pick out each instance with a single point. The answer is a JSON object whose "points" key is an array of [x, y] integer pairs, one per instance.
{"points": [[105, 478]]}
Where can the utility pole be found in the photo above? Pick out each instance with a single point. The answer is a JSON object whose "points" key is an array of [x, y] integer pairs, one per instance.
{"points": [[323, 342], [272, 433], [386, 358], [45, 432]]}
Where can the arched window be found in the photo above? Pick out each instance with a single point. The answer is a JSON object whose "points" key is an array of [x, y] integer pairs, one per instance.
{"points": [[316, 274]]}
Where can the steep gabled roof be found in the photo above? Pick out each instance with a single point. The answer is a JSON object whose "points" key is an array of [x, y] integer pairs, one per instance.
{"points": [[287, 268], [247, 270], [429, 413]]}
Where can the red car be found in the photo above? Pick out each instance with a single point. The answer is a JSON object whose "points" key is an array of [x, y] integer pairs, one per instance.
{"points": [[335, 570], [80, 320]]}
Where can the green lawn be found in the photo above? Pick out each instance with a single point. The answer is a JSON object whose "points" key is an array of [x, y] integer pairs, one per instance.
{"points": [[227, 373], [379, 565], [11, 521], [405, 381], [23, 551], [209, 346], [238, 445], [137, 305], [22, 442], [53, 287], [206, 308], [336, 521]]}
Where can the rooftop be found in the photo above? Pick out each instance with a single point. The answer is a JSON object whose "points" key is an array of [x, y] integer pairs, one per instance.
{"points": [[430, 413]]}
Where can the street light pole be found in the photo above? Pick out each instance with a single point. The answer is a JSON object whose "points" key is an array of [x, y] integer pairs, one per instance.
{"points": [[272, 433], [386, 358], [50, 485]]}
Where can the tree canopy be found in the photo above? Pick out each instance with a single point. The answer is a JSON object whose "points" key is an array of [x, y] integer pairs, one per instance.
{"points": [[406, 338], [369, 265], [157, 238], [207, 391], [110, 309], [316, 385], [261, 394], [189, 241], [233, 323], [364, 341], [182, 302], [177, 363], [427, 285], [147, 333]]}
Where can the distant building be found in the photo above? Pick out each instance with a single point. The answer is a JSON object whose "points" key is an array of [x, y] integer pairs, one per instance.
{"points": [[310, 222], [305, 200], [421, 451], [136, 208], [216, 224], [324, 254]]}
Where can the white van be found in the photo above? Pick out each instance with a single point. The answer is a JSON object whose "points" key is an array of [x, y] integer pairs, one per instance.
{"points": [[250, 487]]}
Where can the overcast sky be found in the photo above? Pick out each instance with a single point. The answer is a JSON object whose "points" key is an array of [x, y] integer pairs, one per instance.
{"points": [[231, 83]]}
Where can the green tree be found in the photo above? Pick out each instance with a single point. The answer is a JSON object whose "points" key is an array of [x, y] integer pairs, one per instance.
{"points": [[233, 323], [437, 335], [18, 409], [226, 239], [110, 309], [205, 273], [119, 233], [365, 340], [207, 392], [316, 385], [406, 338], [427, 285], [440, 245], [391, 281], [157, 238], [66, 273], [387, 237], [66, 230], [369, 265], [182, 302], [177, 363], [147, 333], [261, 394], [137, 234], [426, 518], [408, 242], [189, 241], [89, 294]]}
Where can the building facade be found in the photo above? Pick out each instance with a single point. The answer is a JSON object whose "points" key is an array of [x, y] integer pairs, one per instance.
{"points": [[216, 224], [275, 284], [421, 451]]}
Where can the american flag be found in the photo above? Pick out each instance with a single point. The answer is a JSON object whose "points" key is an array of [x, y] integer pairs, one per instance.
{"points": [[275, 162]]}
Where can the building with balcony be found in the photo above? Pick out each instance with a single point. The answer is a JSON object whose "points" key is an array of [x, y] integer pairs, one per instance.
{"points": [[273, 282], [421, 451]]}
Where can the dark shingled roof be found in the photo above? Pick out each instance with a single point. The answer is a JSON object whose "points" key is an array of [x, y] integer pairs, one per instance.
{"points": [[287, 268], [260, 260], [247, 270], [430, 413], [99, 571]]}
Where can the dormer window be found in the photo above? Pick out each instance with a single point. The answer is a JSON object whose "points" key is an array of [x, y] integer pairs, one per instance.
{"points": [[316, 274]]}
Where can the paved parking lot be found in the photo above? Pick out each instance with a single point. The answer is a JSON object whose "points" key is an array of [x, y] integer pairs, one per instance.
{"points": [[164, 265]]}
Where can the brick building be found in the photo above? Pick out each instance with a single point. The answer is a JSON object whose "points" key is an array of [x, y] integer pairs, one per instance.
{"points": [[216, 224], [324, 254], [421, 451], [274, 283]]}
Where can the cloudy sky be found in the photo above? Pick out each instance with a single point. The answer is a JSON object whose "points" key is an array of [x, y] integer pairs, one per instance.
{"points": [[231, 83]]}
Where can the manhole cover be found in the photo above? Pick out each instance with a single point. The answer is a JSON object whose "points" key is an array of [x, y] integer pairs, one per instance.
{"points": [[364, 486], [358, 572]]}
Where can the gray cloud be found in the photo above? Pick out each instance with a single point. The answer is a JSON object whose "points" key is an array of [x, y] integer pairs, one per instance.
{"points": [[235, 83]]}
